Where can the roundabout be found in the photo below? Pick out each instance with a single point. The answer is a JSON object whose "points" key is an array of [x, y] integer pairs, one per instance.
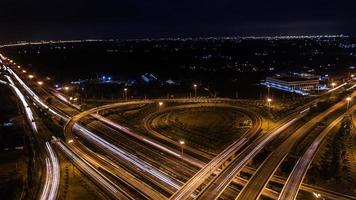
{"points": [[209, 128]]}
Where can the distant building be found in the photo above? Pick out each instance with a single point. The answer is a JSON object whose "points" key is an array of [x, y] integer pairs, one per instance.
{"points": [[148, 77], [299, 84]]}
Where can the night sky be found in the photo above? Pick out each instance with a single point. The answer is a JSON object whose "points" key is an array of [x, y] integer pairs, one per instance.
{"points": [[122, 19]]}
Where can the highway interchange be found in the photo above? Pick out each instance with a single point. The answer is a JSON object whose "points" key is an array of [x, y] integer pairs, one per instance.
{"points": [[126, 164]]}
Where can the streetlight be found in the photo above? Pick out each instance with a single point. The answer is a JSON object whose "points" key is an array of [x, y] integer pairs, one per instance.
{"points": [[40, 83], [125, 92], [31, 76], [24, 71], [70, 141], [181, 142], [66, 88], [269, 100], [195, 90], [160, 103], [348, 99], [333, 84]]}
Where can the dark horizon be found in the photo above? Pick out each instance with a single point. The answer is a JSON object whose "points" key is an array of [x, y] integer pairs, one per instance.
{"points": [[41, 20]]}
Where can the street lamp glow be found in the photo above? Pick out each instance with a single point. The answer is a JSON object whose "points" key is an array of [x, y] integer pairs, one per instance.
{"points": [[269, 100], [24, 71], [66, 88], [40, 83], [348, 99], [31, 76], [125, 94], [181, 142], [70, 141], [333, 84], [160, 103], [195, 90]]}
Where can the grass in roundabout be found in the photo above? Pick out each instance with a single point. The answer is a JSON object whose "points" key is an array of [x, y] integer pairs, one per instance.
{"points": [[208, 128]]}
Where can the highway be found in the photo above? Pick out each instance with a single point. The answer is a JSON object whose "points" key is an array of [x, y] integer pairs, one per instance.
{"points": [[294, 181], [93, 173], [260, 179], [51, 186], [326, 193], [120, 162], [140, 137], [220, 182], [192, 184], [51, 182], [166, 163], [37, 99], [145, 139]]}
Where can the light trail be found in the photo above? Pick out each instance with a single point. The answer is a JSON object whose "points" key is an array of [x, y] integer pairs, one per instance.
{"points": [[34, 96], [337, 87], [45, 191], [128, 131], [352, 87], [51, 185], [93, 173], [27, 109], [221, 182], [295, 179], [55, 172], [103, 144]]}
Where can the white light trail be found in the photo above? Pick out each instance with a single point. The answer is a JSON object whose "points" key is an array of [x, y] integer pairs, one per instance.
{"points": [[126, 156], [88, 168], [55, 172]]}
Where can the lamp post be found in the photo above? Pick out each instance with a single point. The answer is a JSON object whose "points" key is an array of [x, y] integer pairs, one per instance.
{"points": [[125, 93], [348, 99], [195, 90], [181, 146], [269, 100], [160, 104], [268, 87]]}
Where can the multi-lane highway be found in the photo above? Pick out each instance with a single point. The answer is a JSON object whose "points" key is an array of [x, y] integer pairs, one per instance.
{"points": [[51, 180], [294, 181], [259, 180], [190, 186], [218, 185], [104, 147]]}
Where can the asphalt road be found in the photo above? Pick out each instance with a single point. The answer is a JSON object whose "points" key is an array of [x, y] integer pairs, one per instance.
{"points": [[259, 180]]}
